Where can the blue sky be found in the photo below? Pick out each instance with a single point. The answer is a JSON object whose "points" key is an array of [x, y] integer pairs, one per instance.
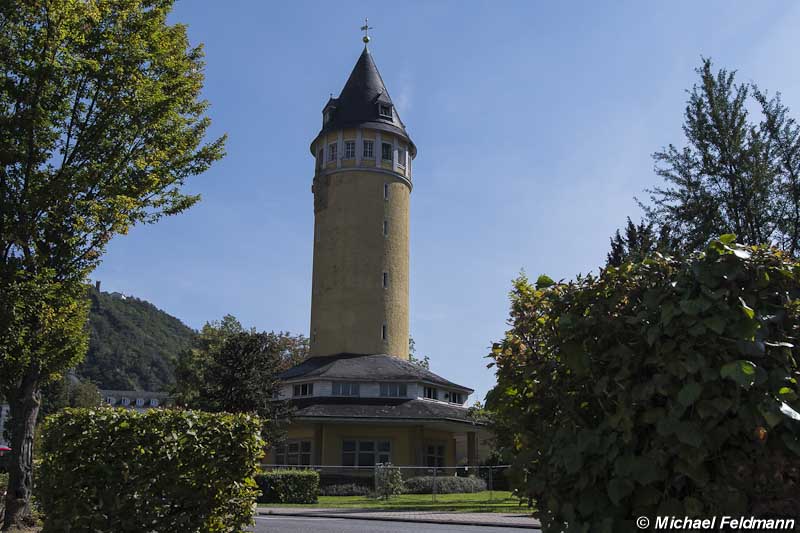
{"points": [[534, 121]]}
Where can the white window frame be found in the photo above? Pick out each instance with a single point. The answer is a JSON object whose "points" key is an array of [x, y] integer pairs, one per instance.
{"points": [[388, 113], [383, 152], [390, 389], [126, 401], [300, 390], [153, 402], [401, 157], [345, 388], [431, 393], [349, 150], [139, 402], [333, 149], [369, 149]]}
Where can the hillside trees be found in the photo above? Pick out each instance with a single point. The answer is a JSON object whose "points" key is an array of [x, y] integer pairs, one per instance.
{"points": [[101, 123]]}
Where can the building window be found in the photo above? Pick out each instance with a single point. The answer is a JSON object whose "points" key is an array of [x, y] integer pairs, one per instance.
{"points": [[383, 332], [293, 453], [320, 157], [385, 228], [431, 393], [332, 151], [385, 111], [349, 149], [366, 452], [304, 389], [385, 191], [126, 402], [401, 157], [345, 389], [434, 455], [110, 400], [139, 402], [328, 116], [369, 152], [454, 397], [385, 280], [394, 390], [386, 151]]}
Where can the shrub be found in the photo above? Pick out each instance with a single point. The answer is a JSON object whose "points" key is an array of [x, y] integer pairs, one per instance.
{"points": [[116, 470], [655, 388], [444, 484], [388, 481], [347, 489], [288, 486]]}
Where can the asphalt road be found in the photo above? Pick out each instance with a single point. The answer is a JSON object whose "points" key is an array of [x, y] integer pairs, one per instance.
{"points": [[299, 524]]}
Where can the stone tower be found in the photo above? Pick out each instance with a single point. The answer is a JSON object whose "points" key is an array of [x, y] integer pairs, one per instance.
{"points": [[362, 186]]}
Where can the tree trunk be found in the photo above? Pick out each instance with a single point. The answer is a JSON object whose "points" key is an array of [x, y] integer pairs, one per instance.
{"points": [[24, 409]]}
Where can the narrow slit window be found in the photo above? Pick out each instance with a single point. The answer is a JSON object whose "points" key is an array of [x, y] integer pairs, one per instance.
{"points": [[385, 228], [385, 191], [385, 280], [383, 332]]}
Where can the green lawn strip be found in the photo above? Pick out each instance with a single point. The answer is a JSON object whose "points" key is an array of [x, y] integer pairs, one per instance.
{"points": [[478, 502]]}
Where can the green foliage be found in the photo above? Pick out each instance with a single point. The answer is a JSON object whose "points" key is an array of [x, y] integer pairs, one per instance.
{"points": [[662, 387], [637, 242], [737, 173], [388, 481], [344, 489], [288, 486], [236, 370], [133, 345], [68, 392], [424, 361], [443, 485], [116, 470]]}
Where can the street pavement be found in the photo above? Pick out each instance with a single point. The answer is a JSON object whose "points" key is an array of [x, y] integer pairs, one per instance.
{"points": [[303, 524]]}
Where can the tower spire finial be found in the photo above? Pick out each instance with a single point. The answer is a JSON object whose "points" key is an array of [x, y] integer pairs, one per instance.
{"points": [[365, 28]]}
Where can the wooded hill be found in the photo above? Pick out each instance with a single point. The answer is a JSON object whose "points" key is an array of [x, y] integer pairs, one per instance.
{"points": [[133, 345]]}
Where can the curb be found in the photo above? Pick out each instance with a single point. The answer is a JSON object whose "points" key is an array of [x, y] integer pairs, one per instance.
{"points": [[398, 519]]}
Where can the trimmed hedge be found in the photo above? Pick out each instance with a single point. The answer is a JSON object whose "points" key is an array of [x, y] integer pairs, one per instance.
{"points": [[347, 489], [444, 485], [288, 486], [119, 471], [660, 388]]}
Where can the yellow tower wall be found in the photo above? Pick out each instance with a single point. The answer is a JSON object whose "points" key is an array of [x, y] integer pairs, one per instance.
{"points": [[349, 304]]}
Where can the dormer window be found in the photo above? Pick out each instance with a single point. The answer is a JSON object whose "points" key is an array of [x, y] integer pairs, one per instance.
{"points": [[126, 401], [303, 389], [139, 402], [431, 393], [328, 116], [153, 402], [385, 111], [455, 397], [345, 389]]}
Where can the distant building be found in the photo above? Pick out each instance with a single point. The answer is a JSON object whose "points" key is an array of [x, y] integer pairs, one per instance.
{"points": [[136, 399]]}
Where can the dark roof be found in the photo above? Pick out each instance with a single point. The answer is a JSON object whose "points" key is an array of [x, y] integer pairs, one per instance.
{"points": [[357, 105], [369, 408], [364, 367]]}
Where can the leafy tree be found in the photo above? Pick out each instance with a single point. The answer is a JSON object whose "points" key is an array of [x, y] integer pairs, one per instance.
{"points": [[101, 122], [68, 391], [736, 174], [663, 387], [424, 362], [242, 377]]}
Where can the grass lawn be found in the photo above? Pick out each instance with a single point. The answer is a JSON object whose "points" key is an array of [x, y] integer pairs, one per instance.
{"points": [[478, 502]]}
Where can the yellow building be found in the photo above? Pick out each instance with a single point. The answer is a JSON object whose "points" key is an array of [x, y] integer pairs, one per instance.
{"points": [[359, 400]]}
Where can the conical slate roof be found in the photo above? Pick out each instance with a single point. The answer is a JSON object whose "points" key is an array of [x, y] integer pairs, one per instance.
{"points": [[358, 104]]}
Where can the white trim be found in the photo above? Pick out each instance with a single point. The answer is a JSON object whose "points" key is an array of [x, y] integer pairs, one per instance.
{"points": [[376, 148], [359, 146], [339, 149]]}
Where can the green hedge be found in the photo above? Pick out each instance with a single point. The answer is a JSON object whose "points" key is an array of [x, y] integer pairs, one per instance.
{"points": [[118, 471], [660, 388], [444, 485], [288, 486]]}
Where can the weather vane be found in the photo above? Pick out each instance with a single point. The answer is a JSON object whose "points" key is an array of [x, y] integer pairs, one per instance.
{"points": [[365, 28]]}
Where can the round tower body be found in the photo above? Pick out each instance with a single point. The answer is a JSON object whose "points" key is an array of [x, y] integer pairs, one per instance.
{"points": [[360, 283]]}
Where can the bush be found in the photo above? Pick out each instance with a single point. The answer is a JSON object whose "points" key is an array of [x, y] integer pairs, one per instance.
{"points": [[655, 388], [388, 481], [347, 489], [116, 470], [288, 486], [444, 485]]}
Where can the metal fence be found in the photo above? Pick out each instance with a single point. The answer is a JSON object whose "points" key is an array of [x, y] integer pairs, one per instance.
{"points": [[486, 484]]}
